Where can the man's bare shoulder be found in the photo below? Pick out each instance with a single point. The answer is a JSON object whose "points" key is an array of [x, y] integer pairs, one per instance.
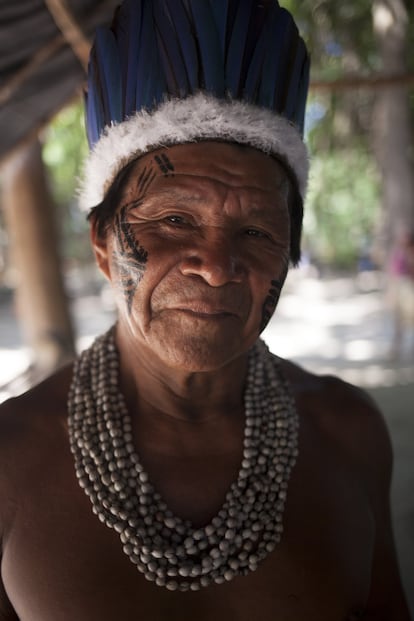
{"points": [[343, 432], [344, 415], [30, 410], [30, 426]]}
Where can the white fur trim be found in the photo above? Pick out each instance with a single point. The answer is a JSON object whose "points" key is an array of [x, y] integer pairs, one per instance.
{"points": [[198, 117]]}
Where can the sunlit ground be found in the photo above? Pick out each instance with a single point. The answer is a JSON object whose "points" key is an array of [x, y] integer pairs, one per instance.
{"points": [[341, 326]]}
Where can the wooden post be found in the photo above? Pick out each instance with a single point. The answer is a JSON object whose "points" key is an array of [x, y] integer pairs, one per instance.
{"points": [[30, 219], [393, 124]]}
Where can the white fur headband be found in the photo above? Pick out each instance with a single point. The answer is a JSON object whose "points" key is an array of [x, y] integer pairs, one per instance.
{"points": [[197, 117]]}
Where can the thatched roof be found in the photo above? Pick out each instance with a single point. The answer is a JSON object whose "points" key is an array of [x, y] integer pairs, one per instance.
{"points": [[44, 45]]}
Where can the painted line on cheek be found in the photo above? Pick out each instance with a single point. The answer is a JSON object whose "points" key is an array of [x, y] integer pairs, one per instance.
{"points": [[130, 258], [272, 299]]}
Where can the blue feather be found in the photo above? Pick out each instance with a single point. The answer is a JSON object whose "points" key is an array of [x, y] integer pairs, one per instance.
{"points": [[160, 87], [236, 48], [257, 23], [294, 81], [182, 26], [220, 11], [121, 31], [299, 116], [276, 62], [254, 73], [211, 56], [168, 70], [128, 30], [232, 8], [94, 105], [248, 48], [147, 45], [156, 86], [107, 58], [92, 124], [150, 81], [172, 60]]}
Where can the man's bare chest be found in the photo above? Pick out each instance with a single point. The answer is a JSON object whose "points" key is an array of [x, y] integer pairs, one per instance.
{"points": [[91, 579], [61, 563]]}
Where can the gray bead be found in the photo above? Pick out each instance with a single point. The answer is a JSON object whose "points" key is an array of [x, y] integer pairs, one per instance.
{"points": [[156, 553], [207, 563], [194, 586], [191, 550]]}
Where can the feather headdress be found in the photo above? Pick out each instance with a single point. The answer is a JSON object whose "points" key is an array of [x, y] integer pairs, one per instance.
{"points": [[175, 71]]}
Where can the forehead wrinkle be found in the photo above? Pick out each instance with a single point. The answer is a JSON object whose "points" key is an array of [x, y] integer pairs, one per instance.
{"points": [[193, 186], [235, 181], [208, 185], [190, 162], [263, 206], [179, 195]]}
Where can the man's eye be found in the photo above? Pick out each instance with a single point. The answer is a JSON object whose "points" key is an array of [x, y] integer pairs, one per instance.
{"points": [[256, 233], [177, 220]]}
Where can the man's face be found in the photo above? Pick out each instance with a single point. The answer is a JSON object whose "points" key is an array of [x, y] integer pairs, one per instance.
{"points": [[198, 251]]}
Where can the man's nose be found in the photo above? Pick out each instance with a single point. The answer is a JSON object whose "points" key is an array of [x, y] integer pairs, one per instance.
{"points": [[215, 260]]}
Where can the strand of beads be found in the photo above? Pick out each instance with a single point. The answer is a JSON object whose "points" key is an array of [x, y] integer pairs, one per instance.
{"points": [[165, 548]]}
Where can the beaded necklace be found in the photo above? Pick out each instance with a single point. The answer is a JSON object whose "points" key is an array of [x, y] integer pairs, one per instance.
{"points": [[165, 548]]}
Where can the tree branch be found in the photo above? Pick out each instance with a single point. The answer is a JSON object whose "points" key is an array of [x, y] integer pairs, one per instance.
{"points": [[374, 82], [71, 30]]}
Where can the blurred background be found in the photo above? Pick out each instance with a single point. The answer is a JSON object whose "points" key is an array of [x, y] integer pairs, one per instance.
{"points": [[349, 307]]}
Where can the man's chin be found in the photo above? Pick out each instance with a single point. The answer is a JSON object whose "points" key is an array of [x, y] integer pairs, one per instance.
{"points": [[197, 353]]}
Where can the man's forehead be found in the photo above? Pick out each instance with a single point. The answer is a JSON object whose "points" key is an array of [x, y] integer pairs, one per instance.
{"points": [[228, 163]]}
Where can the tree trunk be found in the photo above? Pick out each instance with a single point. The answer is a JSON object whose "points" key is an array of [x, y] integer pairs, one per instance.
{"points": [[393, 131], [41, 300]]}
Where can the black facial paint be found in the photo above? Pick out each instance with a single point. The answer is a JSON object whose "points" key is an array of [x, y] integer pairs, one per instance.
{"points": [[131, 258], [272, 299], [164, 164]]}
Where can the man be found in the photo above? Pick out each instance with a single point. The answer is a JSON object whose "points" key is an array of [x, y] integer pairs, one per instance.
{"points": [[179, 470]]}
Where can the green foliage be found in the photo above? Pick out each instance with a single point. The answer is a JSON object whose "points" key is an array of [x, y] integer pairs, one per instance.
{"points": [[64, 150], [342, 206]]}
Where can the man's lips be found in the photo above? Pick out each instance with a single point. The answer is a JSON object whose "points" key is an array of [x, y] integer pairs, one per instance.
{"points": [[202, 309]]}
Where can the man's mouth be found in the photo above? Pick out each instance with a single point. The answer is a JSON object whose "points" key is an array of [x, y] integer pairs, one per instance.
{"points": [[206, 310]]}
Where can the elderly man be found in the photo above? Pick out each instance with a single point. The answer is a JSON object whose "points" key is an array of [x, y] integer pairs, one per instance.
{"points": [[179, 470]]}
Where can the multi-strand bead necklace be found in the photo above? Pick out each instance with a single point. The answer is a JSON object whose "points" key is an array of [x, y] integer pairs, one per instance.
{"points": [[167, 549]]}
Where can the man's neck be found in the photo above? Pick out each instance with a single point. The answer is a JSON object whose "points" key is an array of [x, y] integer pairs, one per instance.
{"points": [[150, 386]]}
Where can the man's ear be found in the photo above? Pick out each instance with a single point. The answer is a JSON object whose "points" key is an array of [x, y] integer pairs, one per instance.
{"points": [[100, 249]]}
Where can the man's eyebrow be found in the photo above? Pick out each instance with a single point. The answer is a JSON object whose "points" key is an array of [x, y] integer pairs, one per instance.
{"points": [[178, 195]]}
